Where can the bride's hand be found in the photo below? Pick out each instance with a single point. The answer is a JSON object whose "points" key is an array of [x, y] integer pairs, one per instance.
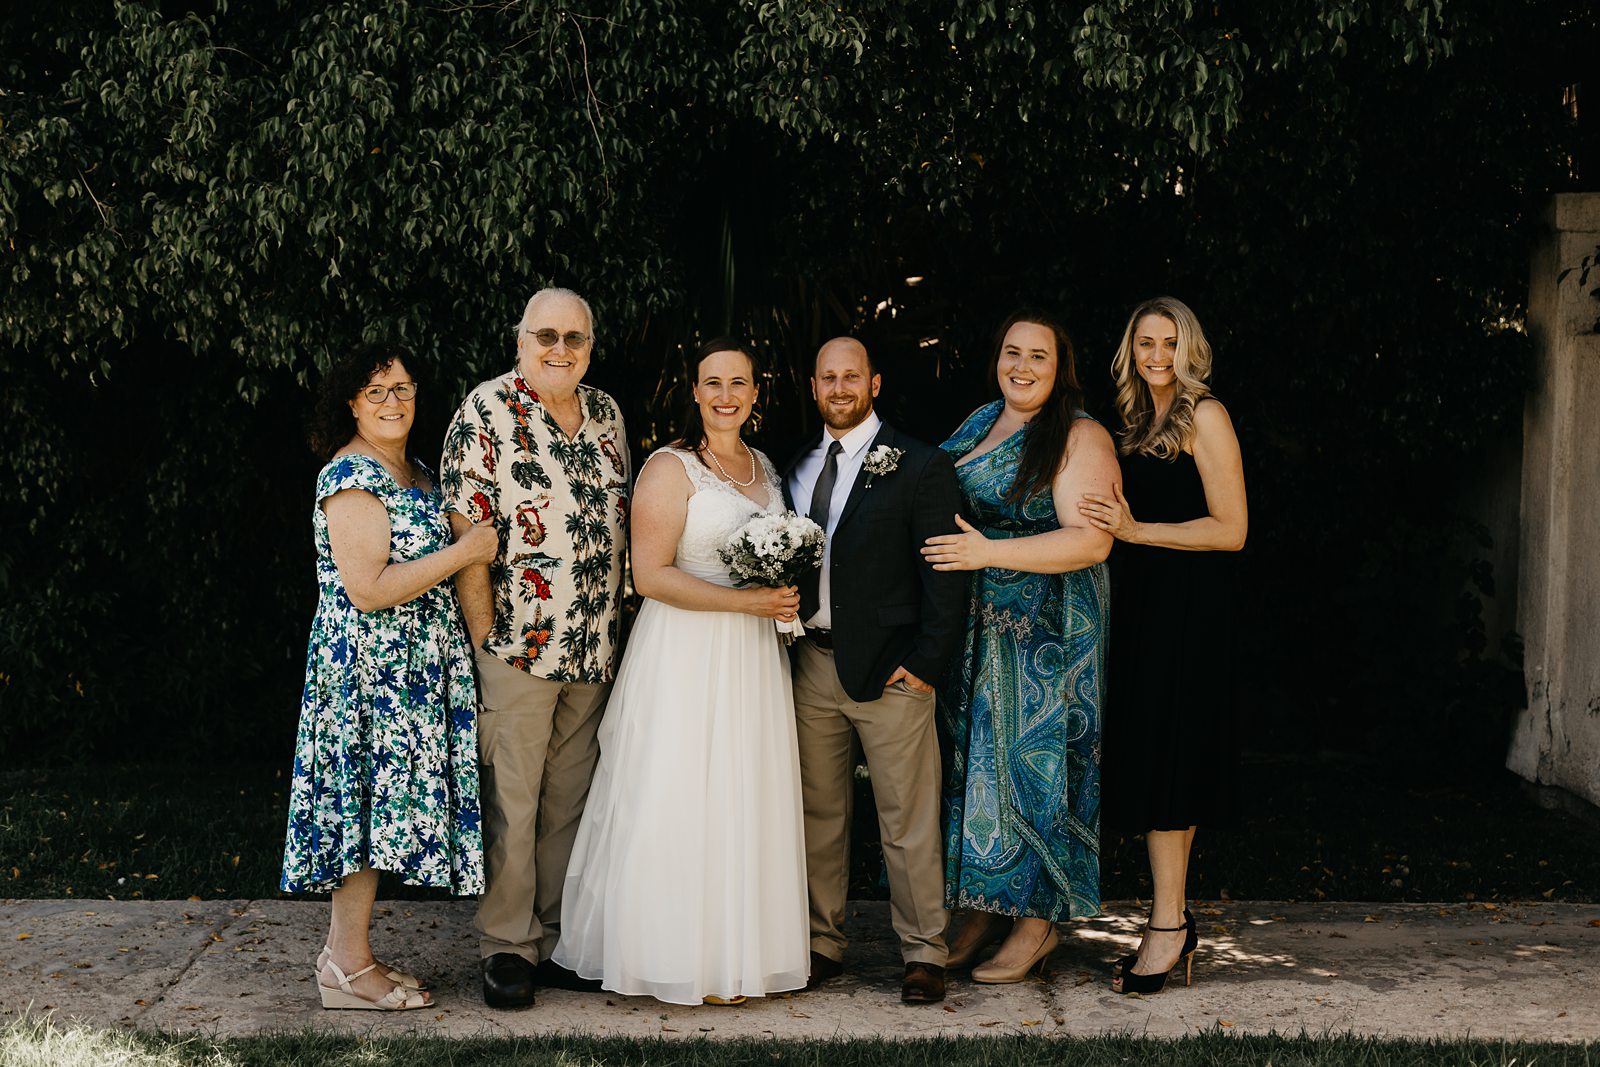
{"points": [[768, 603]]}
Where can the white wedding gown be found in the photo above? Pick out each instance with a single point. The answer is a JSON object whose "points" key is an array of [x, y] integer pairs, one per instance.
{"points": [[688, 874]]}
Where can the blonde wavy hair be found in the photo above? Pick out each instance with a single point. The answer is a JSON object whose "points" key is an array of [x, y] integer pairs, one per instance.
{"points": [[1141, 432]]}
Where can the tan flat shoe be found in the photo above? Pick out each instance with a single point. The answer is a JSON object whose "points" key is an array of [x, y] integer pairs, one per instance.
{"points": [[724, 1002], [399, 978], [397, 999]]}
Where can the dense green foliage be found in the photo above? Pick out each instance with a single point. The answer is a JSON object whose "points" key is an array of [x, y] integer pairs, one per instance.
{"points": [[198, 207]]}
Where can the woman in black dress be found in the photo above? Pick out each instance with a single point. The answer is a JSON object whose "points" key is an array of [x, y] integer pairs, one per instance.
{"points": [[1179, 512]]}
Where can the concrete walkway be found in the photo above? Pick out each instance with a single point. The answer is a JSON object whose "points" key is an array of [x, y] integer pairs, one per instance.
{"points": [[1524, 971]]}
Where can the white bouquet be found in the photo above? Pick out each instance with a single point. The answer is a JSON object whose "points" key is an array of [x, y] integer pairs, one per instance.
{"points": [[774, 550]]}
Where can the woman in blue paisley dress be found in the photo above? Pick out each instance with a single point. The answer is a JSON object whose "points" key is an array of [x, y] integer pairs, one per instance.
{"points": [[1020, 707], [386, 761]]}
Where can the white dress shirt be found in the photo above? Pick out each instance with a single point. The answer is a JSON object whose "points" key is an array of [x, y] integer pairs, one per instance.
{"points": [[804, 479]]}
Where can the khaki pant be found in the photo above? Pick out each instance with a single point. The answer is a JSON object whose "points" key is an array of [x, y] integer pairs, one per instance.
{"points": [[537, 749], [902, 751]]}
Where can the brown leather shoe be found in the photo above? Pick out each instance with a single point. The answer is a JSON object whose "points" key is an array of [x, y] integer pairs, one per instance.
{"points": [[923, 984], [822, 969]]}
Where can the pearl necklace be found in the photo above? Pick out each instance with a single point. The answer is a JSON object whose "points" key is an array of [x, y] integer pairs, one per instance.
{"points": [[728, 477]]}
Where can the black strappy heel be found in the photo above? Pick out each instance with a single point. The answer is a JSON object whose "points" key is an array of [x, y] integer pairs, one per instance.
{"points": [[1154, 983]]}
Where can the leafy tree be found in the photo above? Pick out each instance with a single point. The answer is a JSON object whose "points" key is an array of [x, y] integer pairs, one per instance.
{"points": [[200, 205]]}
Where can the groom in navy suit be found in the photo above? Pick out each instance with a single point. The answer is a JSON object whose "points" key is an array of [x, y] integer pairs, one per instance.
{"points": [[880, 626]]}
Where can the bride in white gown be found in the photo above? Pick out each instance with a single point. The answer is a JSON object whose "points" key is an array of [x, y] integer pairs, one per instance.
{"points": [[687, 880]]}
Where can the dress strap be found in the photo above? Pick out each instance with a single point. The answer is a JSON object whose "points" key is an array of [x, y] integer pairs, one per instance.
{"points": [[774, 482], [700, 476]]}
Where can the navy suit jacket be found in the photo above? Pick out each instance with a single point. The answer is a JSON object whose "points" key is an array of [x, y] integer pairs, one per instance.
{"points": [[890, 608]]}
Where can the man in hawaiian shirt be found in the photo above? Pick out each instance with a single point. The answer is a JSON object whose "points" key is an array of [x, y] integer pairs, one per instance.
{"points": [[544, 458]]}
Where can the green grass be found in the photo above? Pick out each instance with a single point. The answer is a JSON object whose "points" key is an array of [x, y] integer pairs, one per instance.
{"points": [[39, 1043], [1331, 829]]}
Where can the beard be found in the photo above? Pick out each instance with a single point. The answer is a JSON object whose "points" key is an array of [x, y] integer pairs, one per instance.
{"points": [[844, 418]]}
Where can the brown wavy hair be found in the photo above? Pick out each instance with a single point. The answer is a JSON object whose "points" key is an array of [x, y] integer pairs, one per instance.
{"points": [[1044, 441], [331, 423]]}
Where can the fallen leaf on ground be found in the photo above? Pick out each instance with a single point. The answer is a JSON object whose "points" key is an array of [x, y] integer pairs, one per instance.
{"points": [[1373, 919], [669, 1029], [24, 937], [1594, 922], [1224, 1022], [948, 1008], [991, 1022]]}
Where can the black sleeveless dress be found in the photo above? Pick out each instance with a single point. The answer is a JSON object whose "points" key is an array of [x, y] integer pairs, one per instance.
{"points": [[1169, 728]]}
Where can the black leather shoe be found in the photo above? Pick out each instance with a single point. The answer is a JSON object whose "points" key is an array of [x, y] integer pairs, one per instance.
{"points": [[507, 981], [822, 969], [923, 984], [551, 975]]}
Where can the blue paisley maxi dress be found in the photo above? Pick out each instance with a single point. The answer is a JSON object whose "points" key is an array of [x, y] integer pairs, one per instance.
{"points": [[1019, 712], [386, 761]]}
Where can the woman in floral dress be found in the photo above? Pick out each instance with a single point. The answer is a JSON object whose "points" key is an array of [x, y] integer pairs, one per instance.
{"points": [[385, 769]]}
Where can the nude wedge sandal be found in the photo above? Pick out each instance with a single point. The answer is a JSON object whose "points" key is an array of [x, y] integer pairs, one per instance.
{"points": [[397, 999]]}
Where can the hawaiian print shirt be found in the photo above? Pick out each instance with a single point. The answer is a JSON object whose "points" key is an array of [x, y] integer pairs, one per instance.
{"points": [[561, 506]]}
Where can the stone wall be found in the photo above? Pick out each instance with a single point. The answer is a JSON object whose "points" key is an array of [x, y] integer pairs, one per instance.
{"points": [[1556, 738]]}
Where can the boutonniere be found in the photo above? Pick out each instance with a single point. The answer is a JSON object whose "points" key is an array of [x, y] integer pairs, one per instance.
{"points": [[881, 460]]}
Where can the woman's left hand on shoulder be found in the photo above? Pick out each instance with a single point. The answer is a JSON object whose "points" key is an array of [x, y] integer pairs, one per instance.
{"points": [[964, 551], [1110, 514]]}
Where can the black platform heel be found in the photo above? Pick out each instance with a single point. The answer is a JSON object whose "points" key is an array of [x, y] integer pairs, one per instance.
{"points": [[1154, 983]]}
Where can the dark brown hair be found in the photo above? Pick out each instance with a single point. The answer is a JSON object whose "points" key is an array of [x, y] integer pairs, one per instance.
{"points": [[331, 421], [693, 435], [1044, 441]]}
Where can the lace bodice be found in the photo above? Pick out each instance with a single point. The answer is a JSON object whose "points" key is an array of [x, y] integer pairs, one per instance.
{"points": [[716, 511]]}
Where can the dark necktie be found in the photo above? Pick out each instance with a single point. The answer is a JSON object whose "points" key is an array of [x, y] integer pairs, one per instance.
{"points": [[822, 495], [821, 501]]}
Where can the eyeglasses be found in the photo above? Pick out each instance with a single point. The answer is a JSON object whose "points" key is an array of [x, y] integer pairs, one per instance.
{"points": [[378, 394], [548, 338]]}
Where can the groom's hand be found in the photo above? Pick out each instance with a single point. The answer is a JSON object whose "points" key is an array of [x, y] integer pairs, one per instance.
{"points": [[912, 681]]}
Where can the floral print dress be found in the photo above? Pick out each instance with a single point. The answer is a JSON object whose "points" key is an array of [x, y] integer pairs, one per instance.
{"points": [[386, 761]]}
